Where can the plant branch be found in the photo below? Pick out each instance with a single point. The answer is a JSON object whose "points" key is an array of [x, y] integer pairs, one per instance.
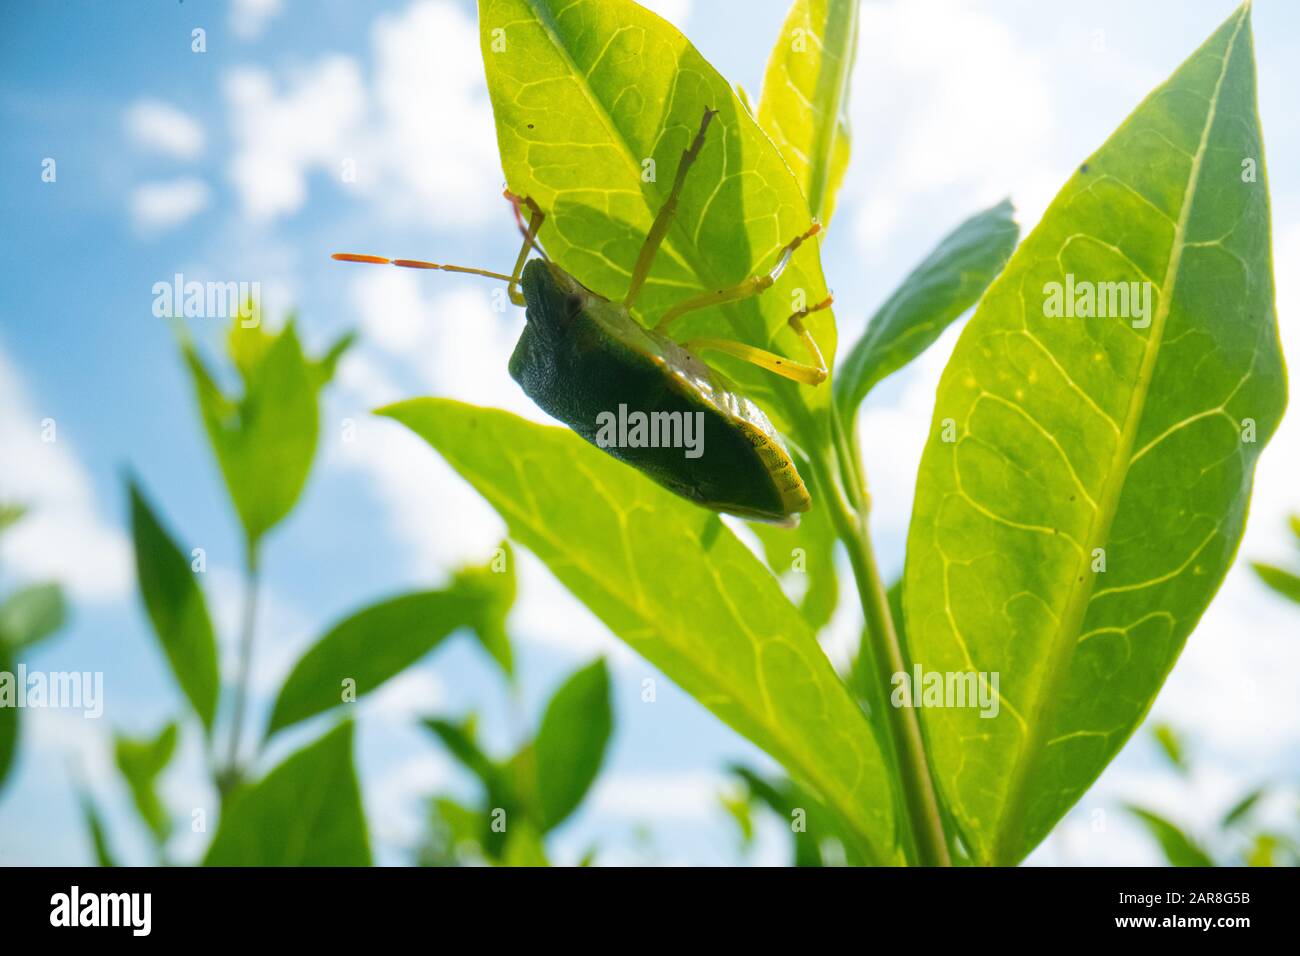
{"points": [[853, 525], [246, 639]]}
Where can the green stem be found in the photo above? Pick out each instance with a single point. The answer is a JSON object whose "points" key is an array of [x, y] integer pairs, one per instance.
{"points": [[853, 525], [247, 633]]}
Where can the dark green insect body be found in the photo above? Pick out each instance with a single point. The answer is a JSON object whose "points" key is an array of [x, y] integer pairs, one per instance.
{"points": [[582, 357]]}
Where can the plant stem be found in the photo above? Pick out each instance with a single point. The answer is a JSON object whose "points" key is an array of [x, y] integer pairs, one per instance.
{"points": [[247, 632], [852, 520]]}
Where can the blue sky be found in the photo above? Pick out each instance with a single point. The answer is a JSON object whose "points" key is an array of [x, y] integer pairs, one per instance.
{"points": [[227, 165]]}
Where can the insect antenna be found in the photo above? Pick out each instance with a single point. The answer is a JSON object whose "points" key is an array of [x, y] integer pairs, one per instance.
{"points": [[419, 264]]}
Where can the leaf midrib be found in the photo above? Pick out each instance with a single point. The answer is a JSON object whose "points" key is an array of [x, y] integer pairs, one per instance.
{"points": [[829, 131], [1080, 596]]}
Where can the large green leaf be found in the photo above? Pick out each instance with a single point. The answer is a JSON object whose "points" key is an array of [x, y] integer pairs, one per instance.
{"points": [[570, 743], [140, 762], [674, 583], [807, 555], [595, 102], [305, 812], [375, 644], [805, 99], [1178, 847], [1083, 444], [176, 608], [31, 614], [265, 439], [945, 284]]}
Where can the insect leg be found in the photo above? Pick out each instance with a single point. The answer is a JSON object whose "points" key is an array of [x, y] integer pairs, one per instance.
{"points": [[813, 373], [535, 217], [745, 289], [659, 228]]}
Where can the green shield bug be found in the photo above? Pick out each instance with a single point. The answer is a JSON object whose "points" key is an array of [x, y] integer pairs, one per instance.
{"points": [[586, 361]]}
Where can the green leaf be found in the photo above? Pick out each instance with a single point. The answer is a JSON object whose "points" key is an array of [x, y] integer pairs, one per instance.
{"points": [[1263, 850], [1178, 847], [371, 646], [176, 608], [458, 738], [1089, 443], [265, 440], [1242, 808], [323, 369], [31, 614], [496, 585], [98, 832], [947, 282], [1294, 521], [674, 583], [305, 812], [571, 742], [1283, 582], [805, 100], [524, 846], [10, 514], [141, 761], [595, 102], [808, 553], [8, 713], [1171, 745]]}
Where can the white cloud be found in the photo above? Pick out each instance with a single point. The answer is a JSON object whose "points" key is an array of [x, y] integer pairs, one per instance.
{"points": [[419, 137], [161, 126], [248, 18], [158, 206], [280, 138], [63, 536], [967, 107]]}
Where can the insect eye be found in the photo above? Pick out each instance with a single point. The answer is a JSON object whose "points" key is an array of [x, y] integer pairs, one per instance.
{"points": [[572, 304]]}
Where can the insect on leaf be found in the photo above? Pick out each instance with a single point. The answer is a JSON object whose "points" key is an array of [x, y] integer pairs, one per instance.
{"points": [[674, 583], [805, 99], [305, 812], [945, 284], [176, 609], [595, 102], [1093, 492]]}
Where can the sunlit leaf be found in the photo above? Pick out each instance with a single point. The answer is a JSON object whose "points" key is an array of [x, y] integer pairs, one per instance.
{"points": [[1086, 479], [947, 282], [805, 99], [104, 856], [11, 512], [176, 608], [265, 439], [674, 583], [31, 614], [305, 812], [1280, 580], [140, 762], [1178, 847], [1171, 745], [570, 743], [372, 645]]}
